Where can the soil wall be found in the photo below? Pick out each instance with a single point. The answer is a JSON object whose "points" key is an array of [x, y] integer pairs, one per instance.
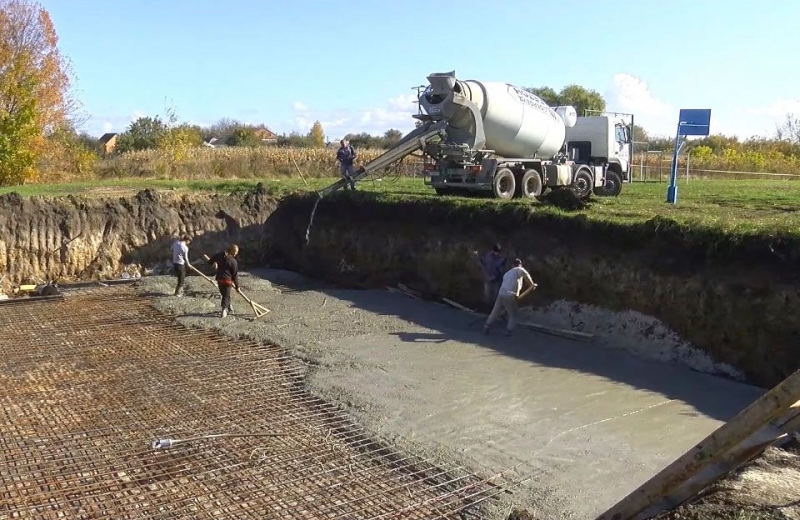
{"points": [[67, 239], [737, 300]]}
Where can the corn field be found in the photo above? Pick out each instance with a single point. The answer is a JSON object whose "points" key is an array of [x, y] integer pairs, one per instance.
{"points": [[197, 163], [238, 162]]}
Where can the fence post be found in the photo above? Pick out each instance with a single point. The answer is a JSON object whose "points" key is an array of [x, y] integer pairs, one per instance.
{"points": [[688, 157]]}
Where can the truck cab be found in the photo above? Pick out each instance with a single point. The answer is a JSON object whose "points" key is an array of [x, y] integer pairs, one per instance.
{"points": [[602, 140]]}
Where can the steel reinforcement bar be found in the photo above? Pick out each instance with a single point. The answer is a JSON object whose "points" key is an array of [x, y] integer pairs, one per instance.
{"points": [[89, 382]]}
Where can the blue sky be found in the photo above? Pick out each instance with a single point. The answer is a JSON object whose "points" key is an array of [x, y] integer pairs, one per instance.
{"points": [[352, 65]]}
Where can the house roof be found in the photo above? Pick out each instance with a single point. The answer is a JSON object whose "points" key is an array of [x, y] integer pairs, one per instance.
{"points": [[107, 137]]}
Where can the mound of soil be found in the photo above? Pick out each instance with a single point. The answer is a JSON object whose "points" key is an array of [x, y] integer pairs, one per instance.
{"points": [[563, 199]]}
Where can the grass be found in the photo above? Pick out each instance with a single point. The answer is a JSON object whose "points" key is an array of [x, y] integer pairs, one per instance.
{"points": [[743, 207]]}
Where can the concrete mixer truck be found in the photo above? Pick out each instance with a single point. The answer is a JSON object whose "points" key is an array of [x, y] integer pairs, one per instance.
{"points": [[494, 137]]}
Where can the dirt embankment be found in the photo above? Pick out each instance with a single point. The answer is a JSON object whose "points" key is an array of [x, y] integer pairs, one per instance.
{"points": [[67, 239], [737, 301]]}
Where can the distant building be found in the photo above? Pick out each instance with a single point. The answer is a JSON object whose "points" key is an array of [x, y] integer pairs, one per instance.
{"points": [[109, 142], [266, 135]]}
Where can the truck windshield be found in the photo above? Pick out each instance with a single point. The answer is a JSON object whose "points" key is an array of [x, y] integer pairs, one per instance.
{"points": [[621, 134]]}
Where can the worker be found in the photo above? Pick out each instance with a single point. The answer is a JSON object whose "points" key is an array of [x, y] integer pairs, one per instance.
{"points": [[180, 259], [508, 296], [493, 265], [227, 275], [346, 155]]}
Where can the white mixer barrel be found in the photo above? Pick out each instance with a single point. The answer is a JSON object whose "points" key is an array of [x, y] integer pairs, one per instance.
{"points": [[516, 123]]}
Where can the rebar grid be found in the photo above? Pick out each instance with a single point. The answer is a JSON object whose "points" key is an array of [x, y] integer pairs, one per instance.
{"points": [[89, 381]]}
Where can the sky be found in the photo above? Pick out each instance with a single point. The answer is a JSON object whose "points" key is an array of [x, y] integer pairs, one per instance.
{"points": [[353, 65]]}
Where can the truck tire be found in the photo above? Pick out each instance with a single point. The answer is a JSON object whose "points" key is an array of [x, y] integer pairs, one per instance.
{"points": [[504, 184], [531, 184], [612, 186], [443, 191], [582, 183]]}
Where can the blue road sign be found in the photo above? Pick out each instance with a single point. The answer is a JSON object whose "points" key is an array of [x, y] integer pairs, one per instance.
{"points": [[691, 121]]}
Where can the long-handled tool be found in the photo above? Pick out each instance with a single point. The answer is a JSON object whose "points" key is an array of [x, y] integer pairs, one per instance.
{"points": [[258, 309]]}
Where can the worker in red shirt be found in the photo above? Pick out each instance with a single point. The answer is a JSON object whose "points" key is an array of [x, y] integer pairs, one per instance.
{"points": [[227, 275]]}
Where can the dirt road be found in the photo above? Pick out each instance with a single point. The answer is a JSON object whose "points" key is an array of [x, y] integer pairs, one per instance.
{"points": [[582, 425]]}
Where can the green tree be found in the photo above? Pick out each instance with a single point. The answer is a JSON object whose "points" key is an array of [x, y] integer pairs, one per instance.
{"points": [[579, 97], [391, 137], [547, 94], [19, 134], [640, 134], [582, 99], [243, 136], [34, 88], [317, 135], [142, 134]]}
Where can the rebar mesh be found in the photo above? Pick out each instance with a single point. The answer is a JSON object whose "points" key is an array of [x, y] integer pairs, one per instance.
{"points": [[88, 382]]}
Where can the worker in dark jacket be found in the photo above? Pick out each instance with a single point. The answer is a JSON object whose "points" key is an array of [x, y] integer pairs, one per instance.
{"points": [[346, 155], [227, 275]]}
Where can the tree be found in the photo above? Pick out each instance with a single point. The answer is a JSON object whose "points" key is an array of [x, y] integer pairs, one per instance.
{"points": [[68, 155], [582, 99], [243, 136], [317, 135], [391, 137], [547, 94], [579, 97], [142, 134], [789, 130], [639, 134], [34, 87]]}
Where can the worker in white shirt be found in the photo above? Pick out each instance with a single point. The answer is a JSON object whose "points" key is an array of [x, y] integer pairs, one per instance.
{"points": [[508, 296], [180, 258]]}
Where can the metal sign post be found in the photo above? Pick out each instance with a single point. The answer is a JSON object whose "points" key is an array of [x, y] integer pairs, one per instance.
{"points": [[690, 122]]}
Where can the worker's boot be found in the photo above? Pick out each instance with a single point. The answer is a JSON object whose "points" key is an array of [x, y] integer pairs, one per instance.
{"points": [[224, 313]]}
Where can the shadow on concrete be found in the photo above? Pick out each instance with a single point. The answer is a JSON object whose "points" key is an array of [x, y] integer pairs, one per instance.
{"points": [[711, 395]]}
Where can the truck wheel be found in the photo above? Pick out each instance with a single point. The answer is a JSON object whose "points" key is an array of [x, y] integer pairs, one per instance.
{"points": [[504, 184], [443, 191], [612, 186], [531, 184], [582, 184]]}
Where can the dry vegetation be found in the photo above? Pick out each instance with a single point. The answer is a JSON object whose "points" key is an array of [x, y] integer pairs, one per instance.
{"points": [[199, 163]]}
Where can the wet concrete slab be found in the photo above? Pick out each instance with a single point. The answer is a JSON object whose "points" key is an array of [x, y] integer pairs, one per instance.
{"points": [[582, 425]]}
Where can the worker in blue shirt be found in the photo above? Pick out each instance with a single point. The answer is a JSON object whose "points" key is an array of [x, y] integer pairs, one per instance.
{"points": [[346, 155], [493, 266]]}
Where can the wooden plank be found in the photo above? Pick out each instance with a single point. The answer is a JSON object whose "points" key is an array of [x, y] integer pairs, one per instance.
{"points": [[725, 439], [722, 465], [569, 334], [459, 306], [23, 299]]}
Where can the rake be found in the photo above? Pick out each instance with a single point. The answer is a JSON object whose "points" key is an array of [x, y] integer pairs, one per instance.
{"points": [[258, 309]]}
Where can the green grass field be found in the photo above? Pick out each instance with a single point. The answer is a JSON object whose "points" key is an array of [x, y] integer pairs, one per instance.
{"points": [[729, 206]]}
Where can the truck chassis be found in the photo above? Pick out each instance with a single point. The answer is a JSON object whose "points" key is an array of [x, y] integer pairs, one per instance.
{"points": [[508, 178]]}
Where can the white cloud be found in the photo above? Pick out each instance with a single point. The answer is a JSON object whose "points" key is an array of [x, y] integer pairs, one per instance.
{"points": [[630, 94], [396, 113], [108, 126], [778, 109]]}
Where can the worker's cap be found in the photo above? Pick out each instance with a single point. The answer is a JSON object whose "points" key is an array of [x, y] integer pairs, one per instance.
{"points": [[497, 248], [186, 238], [517, 262]]}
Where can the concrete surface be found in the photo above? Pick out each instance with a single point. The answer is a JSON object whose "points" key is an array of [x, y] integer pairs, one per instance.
{"points": [[582, 425]]}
